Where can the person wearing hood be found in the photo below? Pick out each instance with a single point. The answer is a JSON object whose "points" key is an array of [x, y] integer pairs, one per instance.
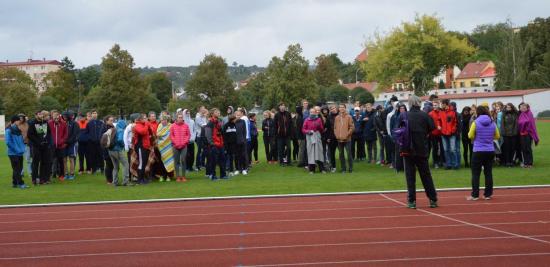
{"points": [[166, 152], [216, 153], [59, 135], [40, 141], [312, 129], [483, 131], [180, 135], [448, 131], [190, 157], [201, 119], [395, 123], [230, 144], [268, 129], [230, 111], [117, 152], [73, 131], [24, 127], [240, 144], [16, 148], [528, 134], [253, 148]]}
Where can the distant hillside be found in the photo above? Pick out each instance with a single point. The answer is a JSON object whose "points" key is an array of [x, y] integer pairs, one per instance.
{"points": [[180, 75]]}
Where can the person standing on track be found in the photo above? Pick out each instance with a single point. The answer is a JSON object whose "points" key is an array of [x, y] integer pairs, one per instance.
{"points": [[483, 131], [416, 156]]}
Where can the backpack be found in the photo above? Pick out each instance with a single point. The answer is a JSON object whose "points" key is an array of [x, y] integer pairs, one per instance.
{"points": [[403, 134], [108, 139]]}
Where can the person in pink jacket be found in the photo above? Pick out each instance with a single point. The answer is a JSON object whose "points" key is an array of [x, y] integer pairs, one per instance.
{"points": [[312, 129], [179, 134]]}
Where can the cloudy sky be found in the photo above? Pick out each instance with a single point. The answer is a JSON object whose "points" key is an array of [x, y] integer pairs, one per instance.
{"points": [[180, 32]]}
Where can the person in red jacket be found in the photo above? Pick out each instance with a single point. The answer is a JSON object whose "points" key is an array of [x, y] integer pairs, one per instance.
{"points": [[216, 153], [59, 136], [180, 135], [448, 132], [142, 134], [436, 145], [153, 123]]}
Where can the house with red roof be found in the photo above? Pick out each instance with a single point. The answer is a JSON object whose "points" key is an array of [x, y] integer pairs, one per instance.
{"points": [[476, 74]]}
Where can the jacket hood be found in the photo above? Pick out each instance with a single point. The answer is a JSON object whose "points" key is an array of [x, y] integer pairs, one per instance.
{"points": [[484, 120], [231, 108]]}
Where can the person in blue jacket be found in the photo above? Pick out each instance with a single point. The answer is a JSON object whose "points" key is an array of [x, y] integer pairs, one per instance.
{"points": [[369, 133], [16, 149], [357, 141], [94, 128], [73, 131]]}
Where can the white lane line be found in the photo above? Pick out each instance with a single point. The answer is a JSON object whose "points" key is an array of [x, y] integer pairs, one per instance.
{"points": [[254, 212], [115, 209], [265, 221], [259, 247], [404, 259], [260, 233], [470, 224], [366, 193]]}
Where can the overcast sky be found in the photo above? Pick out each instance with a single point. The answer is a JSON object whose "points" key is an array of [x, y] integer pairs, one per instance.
{"points": [[180, 32]]}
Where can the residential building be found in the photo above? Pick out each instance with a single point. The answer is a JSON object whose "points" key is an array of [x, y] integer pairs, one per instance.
{"points": [[36, 69], [476, 74]]}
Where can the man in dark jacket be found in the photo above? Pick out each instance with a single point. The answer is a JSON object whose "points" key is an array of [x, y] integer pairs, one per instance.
{"points": [[416, 156], [73, 132], [381, 131], [268, 129], [283, 131], [94, 128], [41, 141], [300, 137], [331, 138], [369, 133]]}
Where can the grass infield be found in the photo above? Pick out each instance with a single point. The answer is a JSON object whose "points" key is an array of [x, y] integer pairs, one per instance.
{"points": [[264, 179]]}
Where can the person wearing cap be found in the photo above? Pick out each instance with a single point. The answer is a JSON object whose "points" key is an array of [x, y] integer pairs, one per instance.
{"points": [[16, 149]]}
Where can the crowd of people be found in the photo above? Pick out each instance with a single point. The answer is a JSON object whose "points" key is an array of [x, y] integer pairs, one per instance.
{"points": [[141, 148]]}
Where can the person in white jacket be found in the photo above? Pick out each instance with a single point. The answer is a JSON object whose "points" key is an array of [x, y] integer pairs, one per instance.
{"points": [[201, 119], [128, 135], [190, 158]]}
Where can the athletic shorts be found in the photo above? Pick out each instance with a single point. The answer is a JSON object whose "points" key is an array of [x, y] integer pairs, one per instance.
{"points": [[70, 150]]}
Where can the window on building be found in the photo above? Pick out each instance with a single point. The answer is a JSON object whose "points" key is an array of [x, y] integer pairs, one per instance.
{"points": [[42, 67], [474, 91], [462, 84], [482, 80], [454, 92]]}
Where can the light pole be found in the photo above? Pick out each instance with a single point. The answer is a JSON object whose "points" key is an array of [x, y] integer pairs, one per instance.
{"points": [[79, 87], [356, 72]]}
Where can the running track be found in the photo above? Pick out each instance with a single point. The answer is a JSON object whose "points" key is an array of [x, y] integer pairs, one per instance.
{"points": [[513, 229]]}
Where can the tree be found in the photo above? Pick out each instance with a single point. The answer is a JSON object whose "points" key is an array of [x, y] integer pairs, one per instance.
{"points": [[361, 95], [326, 72], [67, 64], [288, 79], [337, 93], [252, 93], [414, 52], [88, 78], [48, 103], [160, 85], [18, 98], [121, 90], [62, 86], [211, 85]]}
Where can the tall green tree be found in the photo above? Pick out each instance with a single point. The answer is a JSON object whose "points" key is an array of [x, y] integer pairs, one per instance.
{"points": [[67, 64], [88, 77], [252, 93], [160, 85], [416, 52], [121, 90], [289, 80], [19, 98], [63, 87], [211, 85], [326, 71]]}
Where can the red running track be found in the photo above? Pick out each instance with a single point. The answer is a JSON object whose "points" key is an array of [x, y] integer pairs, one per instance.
{"points": [[513, 229]]}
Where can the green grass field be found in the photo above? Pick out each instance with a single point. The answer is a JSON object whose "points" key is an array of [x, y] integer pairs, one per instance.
{"points": [[264, 179]]}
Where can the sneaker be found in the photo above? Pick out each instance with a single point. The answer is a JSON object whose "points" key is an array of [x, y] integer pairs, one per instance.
{"points": [[433, 204], [61, 178], [161, 179], [436, 166], [213, 178], [487, 198], [245, 172], [310, 172], [23, 186], [168, 179], [236, 173], [183, 179], [411, 205], [378, 163], [224, 177], [470, 198], [333, 170]]}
